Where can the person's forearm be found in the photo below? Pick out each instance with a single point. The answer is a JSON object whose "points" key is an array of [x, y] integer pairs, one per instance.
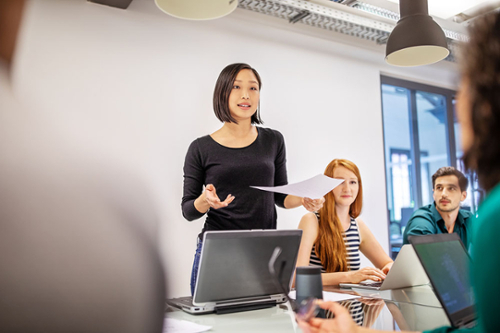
{"points": [[190, 212], [387, 261], [333, 279], [201, 204], [292, 201], [369, 330]]}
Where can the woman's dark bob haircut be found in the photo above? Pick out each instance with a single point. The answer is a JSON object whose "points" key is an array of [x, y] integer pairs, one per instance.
{"points": [[223, 88], [481, 69]]}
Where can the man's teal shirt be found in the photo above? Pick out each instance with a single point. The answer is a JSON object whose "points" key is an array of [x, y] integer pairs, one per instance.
{"points": [[427, 220]]}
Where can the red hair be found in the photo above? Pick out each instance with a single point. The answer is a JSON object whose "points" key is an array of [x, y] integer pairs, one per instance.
{"points": [[330, 246]]}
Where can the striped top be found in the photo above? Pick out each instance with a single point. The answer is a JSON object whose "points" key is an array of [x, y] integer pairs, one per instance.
{"points": [[355, 308], [352, 239], [363, 314]]}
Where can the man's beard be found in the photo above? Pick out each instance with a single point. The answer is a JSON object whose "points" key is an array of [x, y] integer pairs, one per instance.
{"points": [[447, 210]]}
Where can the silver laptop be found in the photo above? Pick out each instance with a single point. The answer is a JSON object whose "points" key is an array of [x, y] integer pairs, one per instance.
{"points": [[447, 264], [405, 272], [234, 275]]}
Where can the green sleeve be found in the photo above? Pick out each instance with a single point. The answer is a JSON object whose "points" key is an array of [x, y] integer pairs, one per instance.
{"points": [[448, 329], [418, 226]]}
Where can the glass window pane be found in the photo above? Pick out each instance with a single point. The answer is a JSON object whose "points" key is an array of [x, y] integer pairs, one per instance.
{"points": [[395, 104], [473, 191], [432, 138], [458, 133]]}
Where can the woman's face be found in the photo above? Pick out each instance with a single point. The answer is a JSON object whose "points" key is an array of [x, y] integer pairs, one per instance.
{"points": [[345, 193], [245, 95], [463, 108]]}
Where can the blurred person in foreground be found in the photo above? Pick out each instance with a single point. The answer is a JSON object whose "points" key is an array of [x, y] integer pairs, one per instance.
{"points": [[76, 249], [478, 110]]}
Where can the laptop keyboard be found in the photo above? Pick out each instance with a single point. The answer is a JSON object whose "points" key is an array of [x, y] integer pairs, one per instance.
{"points": [[471, 324]]}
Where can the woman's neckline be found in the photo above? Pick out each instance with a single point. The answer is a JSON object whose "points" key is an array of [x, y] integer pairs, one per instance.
{"points": [[350, 224], [242, 147]]}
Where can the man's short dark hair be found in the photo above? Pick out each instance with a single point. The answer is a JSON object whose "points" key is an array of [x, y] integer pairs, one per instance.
{"points": [[463, 182], [223, 88]]}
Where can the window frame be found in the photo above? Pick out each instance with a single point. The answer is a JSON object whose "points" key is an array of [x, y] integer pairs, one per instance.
{"points": [[415, 153]]}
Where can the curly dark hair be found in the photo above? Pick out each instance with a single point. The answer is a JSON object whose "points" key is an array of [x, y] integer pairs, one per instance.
{"points": [[481, 68]]}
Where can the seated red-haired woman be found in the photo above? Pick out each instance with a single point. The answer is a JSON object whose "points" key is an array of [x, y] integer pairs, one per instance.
{"points": [[333, 237]]}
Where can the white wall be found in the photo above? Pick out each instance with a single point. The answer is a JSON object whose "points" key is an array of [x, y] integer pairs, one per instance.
{"points": [[137, 85]]}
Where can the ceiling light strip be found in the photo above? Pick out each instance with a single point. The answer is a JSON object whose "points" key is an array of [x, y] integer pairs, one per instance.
{"points": [[388, 14], [382, 12], [337, 14], [338, 23], [331, 19]]}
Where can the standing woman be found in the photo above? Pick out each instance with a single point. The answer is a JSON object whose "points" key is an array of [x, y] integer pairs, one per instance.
{"points": [[333, 237], [235, 157]]}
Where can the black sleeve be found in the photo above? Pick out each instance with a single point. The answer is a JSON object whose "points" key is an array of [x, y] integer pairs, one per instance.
{"points": [[280, 175], [194, 176]]}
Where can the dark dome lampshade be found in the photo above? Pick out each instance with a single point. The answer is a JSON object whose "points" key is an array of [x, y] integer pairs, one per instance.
{"points": [[417, 39]]}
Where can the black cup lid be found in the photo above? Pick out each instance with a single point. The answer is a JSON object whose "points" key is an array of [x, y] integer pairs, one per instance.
{"points": [[308, 270]]}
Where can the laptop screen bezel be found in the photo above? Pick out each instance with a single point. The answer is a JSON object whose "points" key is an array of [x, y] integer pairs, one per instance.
{"points": [[462, 316]]}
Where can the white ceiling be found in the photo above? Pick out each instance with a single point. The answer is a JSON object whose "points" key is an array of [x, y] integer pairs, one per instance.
{"points": [[449, 11]]}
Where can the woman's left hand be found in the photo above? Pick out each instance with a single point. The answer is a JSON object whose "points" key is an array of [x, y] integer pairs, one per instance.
{"points": [[313, 205]]}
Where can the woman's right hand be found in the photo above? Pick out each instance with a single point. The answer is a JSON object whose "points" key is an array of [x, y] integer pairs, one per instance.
{"points": [[212, 199], [366, 273], [340, 323]]}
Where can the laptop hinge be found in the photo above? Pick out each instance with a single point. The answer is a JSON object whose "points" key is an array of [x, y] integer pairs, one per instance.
{"points": [[230, 302], [243, 307]]}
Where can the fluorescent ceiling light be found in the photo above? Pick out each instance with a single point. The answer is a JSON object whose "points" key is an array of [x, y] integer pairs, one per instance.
{"points": [[447, 8]]}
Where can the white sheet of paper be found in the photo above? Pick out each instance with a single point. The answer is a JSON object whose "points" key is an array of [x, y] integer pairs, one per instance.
{"points": [[172, 325], [329, 296], [313, 188]]}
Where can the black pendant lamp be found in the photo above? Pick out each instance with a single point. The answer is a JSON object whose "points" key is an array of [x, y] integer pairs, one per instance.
{"points": [[417, 39]]}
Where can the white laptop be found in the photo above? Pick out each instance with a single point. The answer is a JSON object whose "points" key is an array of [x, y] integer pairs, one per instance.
{"points": [[406, 271], [234, 274]]}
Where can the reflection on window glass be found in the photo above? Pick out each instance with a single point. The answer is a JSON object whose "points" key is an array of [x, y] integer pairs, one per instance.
{"points": [[400, 169], [432, 137], [395, 101], [456, 126], [474, 193]]}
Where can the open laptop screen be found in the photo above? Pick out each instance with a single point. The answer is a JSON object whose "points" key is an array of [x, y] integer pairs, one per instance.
{"points": [[234, 264], [446, 262]]}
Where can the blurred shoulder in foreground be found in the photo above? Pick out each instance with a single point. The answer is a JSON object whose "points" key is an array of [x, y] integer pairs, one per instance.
{"points": [[77, 248]]}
